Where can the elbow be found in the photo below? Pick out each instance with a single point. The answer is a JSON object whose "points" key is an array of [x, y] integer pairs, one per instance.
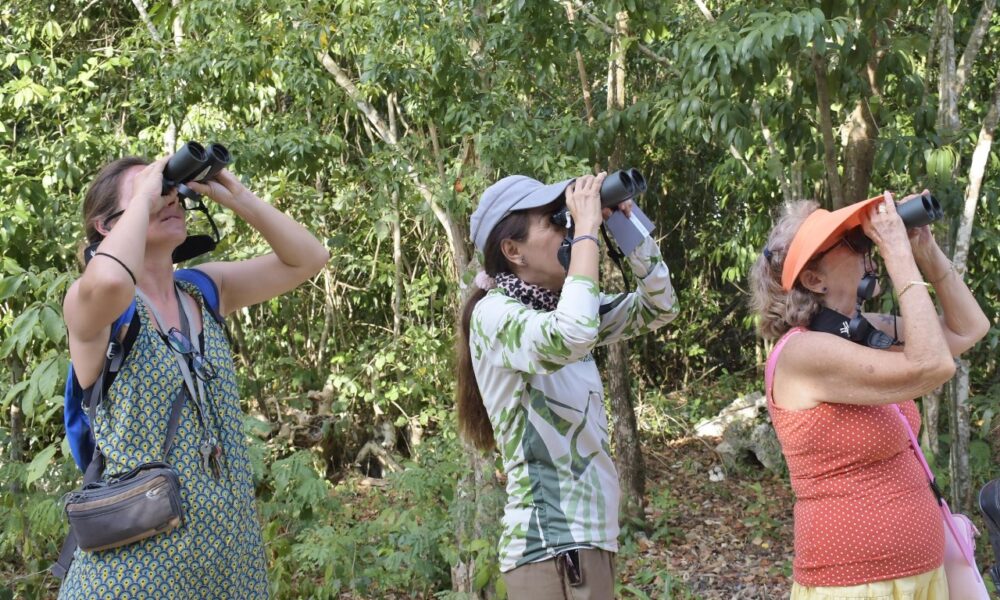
{"points": [[319, 259], [935, 373]]}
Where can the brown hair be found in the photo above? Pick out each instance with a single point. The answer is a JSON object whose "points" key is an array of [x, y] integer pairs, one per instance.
{"points": [[473, 420], [102, 198], [777, 310]]}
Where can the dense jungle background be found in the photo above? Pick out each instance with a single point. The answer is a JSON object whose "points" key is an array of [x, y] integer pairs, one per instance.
{"points": [[378, 123]]}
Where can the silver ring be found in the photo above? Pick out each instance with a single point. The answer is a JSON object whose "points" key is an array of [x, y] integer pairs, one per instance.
{"points": [[882, 209]]}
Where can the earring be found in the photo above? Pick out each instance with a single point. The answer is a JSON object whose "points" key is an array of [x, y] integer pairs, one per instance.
{"points": [[824, 289]]}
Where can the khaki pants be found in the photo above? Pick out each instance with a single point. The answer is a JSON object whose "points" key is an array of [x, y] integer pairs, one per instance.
{"points": [[546, 580]]}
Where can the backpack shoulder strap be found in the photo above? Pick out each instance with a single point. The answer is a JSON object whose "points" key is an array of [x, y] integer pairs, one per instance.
{"points": [[206, 285], [81, 442]]}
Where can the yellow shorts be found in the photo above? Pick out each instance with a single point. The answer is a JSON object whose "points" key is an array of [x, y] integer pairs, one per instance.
{"points": [[932, 585]]}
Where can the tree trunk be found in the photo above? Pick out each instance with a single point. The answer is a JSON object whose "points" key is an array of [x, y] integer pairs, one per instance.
{"points": [[859, 153], [826, 125], [624, 429], [929, 437], [397, 262], [961, 479]]}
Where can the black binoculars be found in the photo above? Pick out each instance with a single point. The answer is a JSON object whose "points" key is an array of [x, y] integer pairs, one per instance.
{"points": [[193, 162], [615, 189], [920, 211]]}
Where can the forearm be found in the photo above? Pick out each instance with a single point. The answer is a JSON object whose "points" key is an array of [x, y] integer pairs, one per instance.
{"points": [[961, 314], [293, 244], [586, 254], [925, 341]]}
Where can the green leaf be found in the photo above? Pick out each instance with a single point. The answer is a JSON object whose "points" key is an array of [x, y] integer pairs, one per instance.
{"points": [[9, 286], [39, 464], [52, 324], [16, 389]]}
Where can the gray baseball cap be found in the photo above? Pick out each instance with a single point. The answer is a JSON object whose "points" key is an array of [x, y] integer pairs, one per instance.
{"points": [[510, 194]]}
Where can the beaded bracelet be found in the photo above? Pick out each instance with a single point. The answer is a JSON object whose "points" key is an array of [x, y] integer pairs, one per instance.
{"points": [[585, 236]]}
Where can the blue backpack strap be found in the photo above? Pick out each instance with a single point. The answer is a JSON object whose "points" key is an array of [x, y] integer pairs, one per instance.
{"points": [[81, 442], [206, 285]]}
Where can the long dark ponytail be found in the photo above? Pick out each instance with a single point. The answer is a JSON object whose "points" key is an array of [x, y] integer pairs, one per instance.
{"points": [[473, 420]]}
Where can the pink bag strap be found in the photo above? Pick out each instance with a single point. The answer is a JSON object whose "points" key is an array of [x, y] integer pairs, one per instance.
{"points": [[772, 360], [963, 545]]}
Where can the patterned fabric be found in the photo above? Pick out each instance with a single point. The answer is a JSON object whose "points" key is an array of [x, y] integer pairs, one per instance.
{"points": [[218, 553], [863, 509], [528, 294], [545, 400]]}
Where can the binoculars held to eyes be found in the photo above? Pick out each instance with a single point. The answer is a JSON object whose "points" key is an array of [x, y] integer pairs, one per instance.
{"points": [[193, 162], [615, 189], [920, 211]]}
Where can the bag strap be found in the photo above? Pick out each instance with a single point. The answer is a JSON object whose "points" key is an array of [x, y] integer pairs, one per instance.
{"points": [[95, 468], [772, 360], [963, 545]]}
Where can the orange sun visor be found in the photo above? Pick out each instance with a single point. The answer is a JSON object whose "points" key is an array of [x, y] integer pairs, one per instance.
{"points": [[821, 230]]}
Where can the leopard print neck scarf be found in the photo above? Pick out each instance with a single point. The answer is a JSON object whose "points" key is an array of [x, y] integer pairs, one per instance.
{"points": [[532, 295]]}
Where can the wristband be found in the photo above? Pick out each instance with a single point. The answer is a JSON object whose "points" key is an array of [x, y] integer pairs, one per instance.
{"points": [[585, 236]]}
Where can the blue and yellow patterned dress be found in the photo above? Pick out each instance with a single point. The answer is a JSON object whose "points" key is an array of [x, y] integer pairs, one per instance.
{"points": [[218, 552]]}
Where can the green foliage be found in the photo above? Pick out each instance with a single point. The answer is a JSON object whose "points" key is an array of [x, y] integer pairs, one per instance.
{"points": [[474, 92]]}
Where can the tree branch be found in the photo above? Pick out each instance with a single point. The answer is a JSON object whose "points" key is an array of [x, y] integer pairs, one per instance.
{"points": [[977, 170], [610, 31], [153, 33], [972, 48], [451, 228], [786, 188], [704, 10], [581, 69]]}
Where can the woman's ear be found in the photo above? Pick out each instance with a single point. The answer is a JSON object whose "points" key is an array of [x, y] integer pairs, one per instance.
{"points": [[99, 226], [812, 281], [512, 252]]}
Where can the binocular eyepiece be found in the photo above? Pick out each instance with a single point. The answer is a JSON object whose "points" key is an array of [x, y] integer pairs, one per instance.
{"points": [[193, 162], [920, 211]]}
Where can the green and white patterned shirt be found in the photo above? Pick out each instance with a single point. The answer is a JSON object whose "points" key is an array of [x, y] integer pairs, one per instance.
{"points": [[545, 399]]}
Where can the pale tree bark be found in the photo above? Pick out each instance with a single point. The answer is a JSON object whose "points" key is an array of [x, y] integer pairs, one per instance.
{"points": [[972, 47], [704, 10], [961, 478], [929, 436], [949, 125], [581, 69], [624, 428], [644, 49], [177, 28], [826, 126], [144, 16], [454, 231]]}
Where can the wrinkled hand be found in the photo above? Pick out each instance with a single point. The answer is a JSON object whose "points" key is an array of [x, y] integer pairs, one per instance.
{"points": [[885, 227], [583, 198], [224, 188], [922, 240]]}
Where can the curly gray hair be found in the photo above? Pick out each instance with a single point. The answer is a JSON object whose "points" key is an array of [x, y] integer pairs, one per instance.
{"points": [[777, 310]]}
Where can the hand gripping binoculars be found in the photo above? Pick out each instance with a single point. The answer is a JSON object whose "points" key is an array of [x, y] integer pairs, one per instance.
{"points": [[915, 212], [615, 189]]}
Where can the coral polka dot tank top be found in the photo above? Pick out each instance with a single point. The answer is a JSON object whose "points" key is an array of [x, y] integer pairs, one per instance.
{"points": [[863, 510]]}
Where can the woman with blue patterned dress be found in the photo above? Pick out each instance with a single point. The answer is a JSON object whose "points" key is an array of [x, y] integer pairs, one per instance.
{"points": [[218, 551]]}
